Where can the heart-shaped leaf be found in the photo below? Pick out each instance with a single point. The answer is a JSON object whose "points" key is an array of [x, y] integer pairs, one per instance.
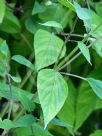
{"points": [[52, 91], [47, 48]]}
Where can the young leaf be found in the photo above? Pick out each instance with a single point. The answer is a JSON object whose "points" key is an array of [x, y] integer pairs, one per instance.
{"points": [[52, 24], [22, 60], [2, 10], [85, 51], [68, 4], [52, 91], [15, 79], [4, 48], [38, 8], [81, 12], [47, 48], [96, 85]]}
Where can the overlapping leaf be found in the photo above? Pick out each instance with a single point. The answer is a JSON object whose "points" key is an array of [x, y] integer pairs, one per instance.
{"points": [[47, 48]]}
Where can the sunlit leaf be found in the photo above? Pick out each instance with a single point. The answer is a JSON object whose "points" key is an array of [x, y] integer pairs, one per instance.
{"points": [[47, 47], [52, 93]]}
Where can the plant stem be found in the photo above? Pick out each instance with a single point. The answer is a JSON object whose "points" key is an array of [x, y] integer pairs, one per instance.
{"points": [[67, 38], [67, 57], [75, 49], [75, 35], [26, 78], [4, 110], [69, 74], [76, 56], [26, 41]]}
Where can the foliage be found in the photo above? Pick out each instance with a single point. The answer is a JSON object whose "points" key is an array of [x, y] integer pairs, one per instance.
{"points": [[50, 68]]}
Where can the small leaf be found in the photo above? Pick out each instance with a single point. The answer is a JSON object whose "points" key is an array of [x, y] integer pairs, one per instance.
{"points": [[85, 51], [15, 79], [52, 24], [68, 4], [52, 91], [47, 47], [2, 10], [22, 60], [38, 8], [96, 85], [81, 12], [6, 124], [26, 102], [60, 123], [4, 48], [26, 120]]}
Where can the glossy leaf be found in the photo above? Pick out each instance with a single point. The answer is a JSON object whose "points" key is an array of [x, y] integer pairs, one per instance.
{"points": [[52, 91], [47, 47], [84, 50]]}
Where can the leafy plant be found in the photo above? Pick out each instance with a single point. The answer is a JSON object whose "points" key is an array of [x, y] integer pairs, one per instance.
{"points": [[44, 48]]}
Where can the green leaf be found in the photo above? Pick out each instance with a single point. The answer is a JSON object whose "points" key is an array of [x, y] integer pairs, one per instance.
{"points": [[24, 121], [6, 124], [52, 91], [52, 24], [69, 105], [48, 47], [22, 60], [38, 8], [4, 48], [27, 103], [81, 12], [10, 23], [2, 10], [92, 23], [60, 123], [85, 51], [15, 79], [27, 131], [84, 107], [98, 48], [18, 95], [97, 133], [96, 85], [68, 4]]}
